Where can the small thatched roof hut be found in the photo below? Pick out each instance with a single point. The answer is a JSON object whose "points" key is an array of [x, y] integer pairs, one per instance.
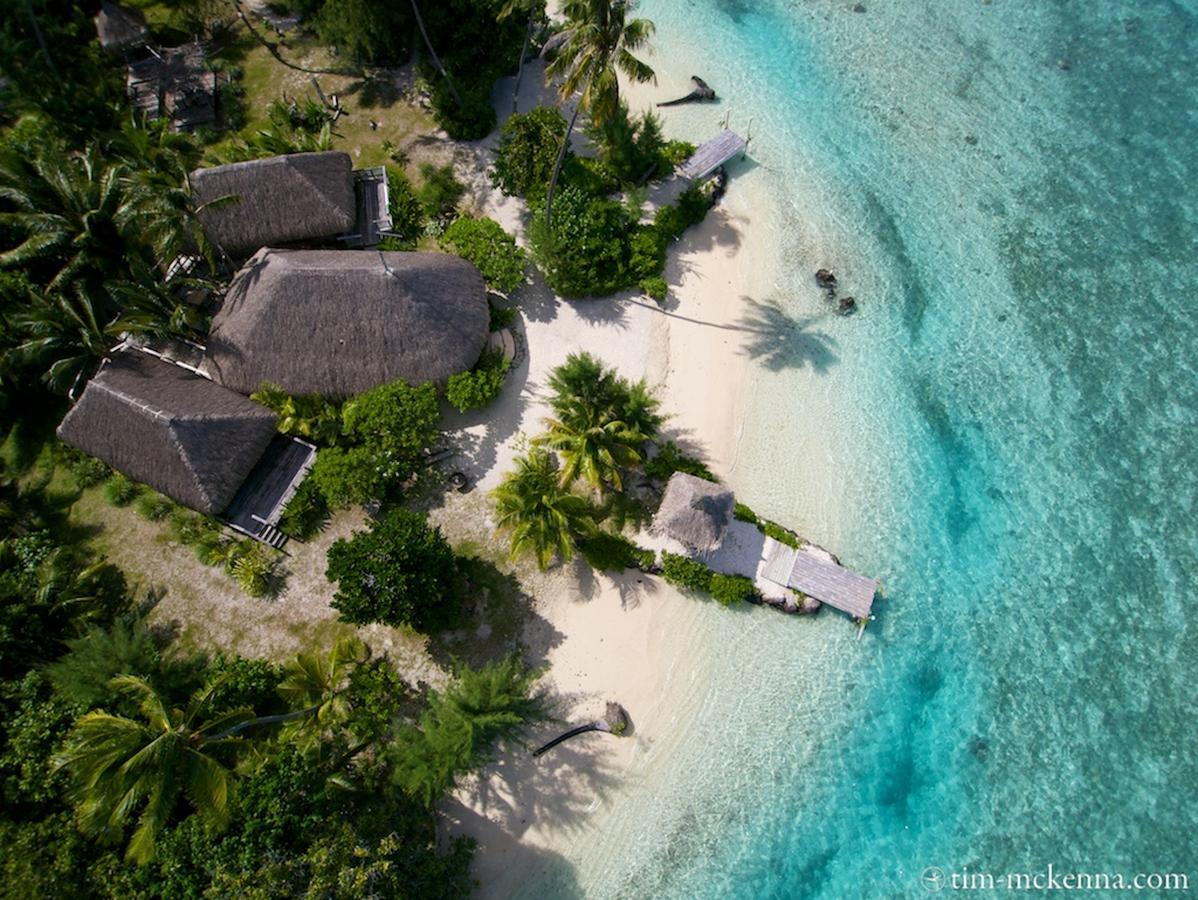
{"points": [[694, 511], [119, 28], [339, 322], [282, 199], [193, 440]]}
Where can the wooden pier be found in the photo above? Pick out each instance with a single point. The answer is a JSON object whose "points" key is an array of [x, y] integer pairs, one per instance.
{"points": [[820, 578], [720, 149]]}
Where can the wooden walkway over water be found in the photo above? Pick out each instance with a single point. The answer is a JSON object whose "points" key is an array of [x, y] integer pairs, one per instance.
{"points": [[820, 578], [720, 149]]}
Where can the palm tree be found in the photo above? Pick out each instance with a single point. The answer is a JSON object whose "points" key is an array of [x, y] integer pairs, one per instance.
{"points": [[461, 726], [532, 7], [457, 98], [318, 681], [600, 43], [582, 378], [640, 409], [594, 446], [68, 335], [542, 517], [70, 208], [120, 764]]}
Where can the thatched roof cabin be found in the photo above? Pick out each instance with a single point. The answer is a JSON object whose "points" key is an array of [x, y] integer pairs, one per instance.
{"points": [[184, 436], [694, 512], [281, 199], [339, 322], [118, 28]]}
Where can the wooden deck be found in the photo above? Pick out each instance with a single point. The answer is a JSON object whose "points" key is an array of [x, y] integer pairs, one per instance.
{"points": [[270, 485], [819, 578], [720, 149], [373, 204]]}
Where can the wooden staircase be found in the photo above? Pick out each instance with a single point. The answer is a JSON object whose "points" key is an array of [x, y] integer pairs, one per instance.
{"points": [[271, 536]]}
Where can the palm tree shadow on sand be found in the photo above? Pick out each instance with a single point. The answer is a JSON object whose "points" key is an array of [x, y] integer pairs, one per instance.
{"points": [[779, 342]]}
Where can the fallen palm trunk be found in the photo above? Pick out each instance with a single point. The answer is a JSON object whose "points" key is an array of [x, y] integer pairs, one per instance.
{"points": [[614, 721], [701, 94]]}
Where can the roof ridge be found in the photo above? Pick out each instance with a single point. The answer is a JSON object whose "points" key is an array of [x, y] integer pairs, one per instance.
{"points": [[289, 161]]}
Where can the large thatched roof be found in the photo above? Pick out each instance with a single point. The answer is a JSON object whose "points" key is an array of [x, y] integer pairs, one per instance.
{"points": [[339, 322], [695, 512], [281, 199], [193, 440], [119, 28]]}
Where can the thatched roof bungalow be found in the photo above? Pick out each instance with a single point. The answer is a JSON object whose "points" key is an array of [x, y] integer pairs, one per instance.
{"points": [[280, 200], [118, 28], [694, 512], [184, 436], [339, 322]]}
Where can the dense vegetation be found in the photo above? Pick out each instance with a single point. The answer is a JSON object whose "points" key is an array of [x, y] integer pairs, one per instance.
{"points": [[599, 431], [596, 245], [128, 769]]}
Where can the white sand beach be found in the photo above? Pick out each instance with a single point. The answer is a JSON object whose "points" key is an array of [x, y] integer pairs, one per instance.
{"points": [[630, 639]]}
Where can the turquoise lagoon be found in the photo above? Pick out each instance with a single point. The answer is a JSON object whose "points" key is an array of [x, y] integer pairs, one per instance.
{"points": [[1004, 434]]}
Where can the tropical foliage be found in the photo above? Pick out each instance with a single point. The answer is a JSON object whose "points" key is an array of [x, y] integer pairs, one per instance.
{"points": [[399, 571], [462, 725], [481, 385], [494, 251], [541, 516]]}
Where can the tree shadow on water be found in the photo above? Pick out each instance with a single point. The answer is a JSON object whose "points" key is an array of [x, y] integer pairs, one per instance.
{"points": [[780, 342]]}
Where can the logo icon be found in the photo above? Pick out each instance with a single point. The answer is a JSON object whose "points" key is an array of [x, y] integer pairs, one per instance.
{"points": [[933, 879]]}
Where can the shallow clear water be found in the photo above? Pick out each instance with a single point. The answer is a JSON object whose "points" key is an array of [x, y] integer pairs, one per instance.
{"points": [[1004, 434]]}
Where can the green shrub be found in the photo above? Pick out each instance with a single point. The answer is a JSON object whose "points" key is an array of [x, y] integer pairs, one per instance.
{"points": [[645, 559], [655, 287], [399, 572], [646, 253], [689, 574], [155, 507], [730, 589], [607, 552], [88, 471], [475, 117], [439, 191], [191, 529], [528, 147], [585, 253], [633, 147], [396, 420], [690, 209], [348, 476], [675, 153], [407, 212], [478, 387], [671, 459], [252, 567], [502, 317], [121, 491], [494, 251], [306, 513], [309, 416], [742, 513], [778, 533]]}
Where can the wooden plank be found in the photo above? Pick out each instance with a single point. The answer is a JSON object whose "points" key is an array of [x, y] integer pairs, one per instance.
{"points": [[713, 154]]}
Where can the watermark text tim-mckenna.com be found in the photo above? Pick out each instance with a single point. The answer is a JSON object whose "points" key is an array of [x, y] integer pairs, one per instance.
{"points": [[936, 879]]}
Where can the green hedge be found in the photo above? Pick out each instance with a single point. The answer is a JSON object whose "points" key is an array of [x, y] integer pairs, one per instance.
{"points": [[494, 251], [730, 589], [481, 385], [744, 514], [689, 574]]}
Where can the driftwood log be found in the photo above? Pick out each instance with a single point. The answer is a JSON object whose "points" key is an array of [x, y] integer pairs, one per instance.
{"points": [[701, 94], [614, 721]]}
